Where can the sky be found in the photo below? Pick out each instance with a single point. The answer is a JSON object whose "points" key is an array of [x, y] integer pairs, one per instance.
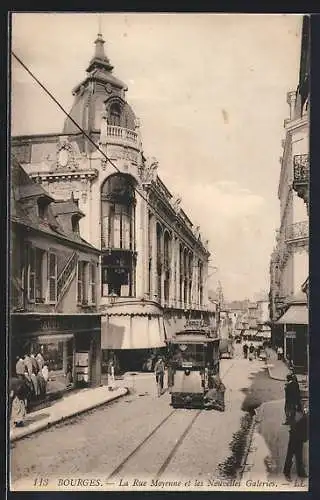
{"points": [[210, 93]]}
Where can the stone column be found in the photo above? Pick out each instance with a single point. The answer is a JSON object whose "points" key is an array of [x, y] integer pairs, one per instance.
{"points": [[291, 100], [154, 291], [140, 230], [162, 269], [177, 282], [205, 283], [172, 290]]}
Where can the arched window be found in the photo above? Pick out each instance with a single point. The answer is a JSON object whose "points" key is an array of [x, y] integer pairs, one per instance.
{"points": [[115, 113], [117, 235]]}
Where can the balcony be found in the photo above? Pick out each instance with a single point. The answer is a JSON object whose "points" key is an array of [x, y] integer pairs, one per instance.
{"points": [[119, 134], [297, 231], [301, 177]]}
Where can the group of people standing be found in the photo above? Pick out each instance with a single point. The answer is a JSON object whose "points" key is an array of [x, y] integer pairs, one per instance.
{"points": [[32, 375], [250, 351]]}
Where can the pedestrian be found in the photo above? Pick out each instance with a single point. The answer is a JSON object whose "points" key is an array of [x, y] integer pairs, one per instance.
{"points": [[280, 352], [258, 349], [159, 369], [170, 375], [69, 378], [292, 398], [251, 351], [215, 396], [111, 370], [20, 368], [40, 360], [298, 434], [35, 371], [18, 404], [45, 372], [245, 350]]}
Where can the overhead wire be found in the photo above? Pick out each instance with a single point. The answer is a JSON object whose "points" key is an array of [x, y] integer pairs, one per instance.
{"points": [[47, 91]]}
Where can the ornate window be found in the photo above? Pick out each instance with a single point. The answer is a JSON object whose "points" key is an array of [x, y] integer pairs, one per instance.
{"points": [[115, 114], [118, 235]]}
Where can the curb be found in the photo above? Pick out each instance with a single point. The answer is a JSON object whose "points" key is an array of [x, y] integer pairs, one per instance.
{"points": [[46, 425], [249, 442]]}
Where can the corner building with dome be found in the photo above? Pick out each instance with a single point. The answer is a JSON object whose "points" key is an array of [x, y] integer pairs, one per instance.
{"points": [[154, 262]]}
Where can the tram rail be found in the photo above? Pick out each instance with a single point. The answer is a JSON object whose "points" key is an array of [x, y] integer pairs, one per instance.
{"points": [[175, 448]]}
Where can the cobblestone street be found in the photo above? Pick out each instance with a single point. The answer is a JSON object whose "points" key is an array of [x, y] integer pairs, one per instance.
{"points": [[186, 444]]}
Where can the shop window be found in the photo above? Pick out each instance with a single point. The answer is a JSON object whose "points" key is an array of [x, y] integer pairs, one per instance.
{"points": [[93, 282], [52, 276], [118, 275], [58, 354]]}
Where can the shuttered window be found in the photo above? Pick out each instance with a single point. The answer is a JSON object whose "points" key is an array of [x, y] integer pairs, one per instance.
{"points": [[52, 276]]}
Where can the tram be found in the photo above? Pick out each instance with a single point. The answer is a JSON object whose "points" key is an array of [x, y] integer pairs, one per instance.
{"points": [[193, 358]]}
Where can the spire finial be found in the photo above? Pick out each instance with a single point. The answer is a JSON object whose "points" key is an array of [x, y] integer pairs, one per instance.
{"points": [[99, 25], [99, 60]]}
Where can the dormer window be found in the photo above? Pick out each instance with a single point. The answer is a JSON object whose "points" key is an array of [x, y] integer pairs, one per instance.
{"points": [[42, 207], [75, 224]]}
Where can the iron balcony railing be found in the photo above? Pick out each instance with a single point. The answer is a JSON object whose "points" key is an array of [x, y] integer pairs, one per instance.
{"points": [[301, 169], [297, 231]]}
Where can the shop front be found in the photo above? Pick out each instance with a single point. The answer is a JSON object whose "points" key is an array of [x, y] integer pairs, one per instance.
{"points": [[70, 346], [295, 336]]}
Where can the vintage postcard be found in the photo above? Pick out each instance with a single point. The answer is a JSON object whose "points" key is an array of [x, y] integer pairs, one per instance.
{"points": [[159, 177]]}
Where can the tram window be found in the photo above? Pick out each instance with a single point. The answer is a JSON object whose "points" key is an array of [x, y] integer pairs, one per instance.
{"points": [[189, 352]]}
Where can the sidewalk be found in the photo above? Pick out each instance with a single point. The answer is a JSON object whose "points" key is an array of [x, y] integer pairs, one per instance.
{"points": [[268, 447], [69, 406], [279, 370], [269, 442]]}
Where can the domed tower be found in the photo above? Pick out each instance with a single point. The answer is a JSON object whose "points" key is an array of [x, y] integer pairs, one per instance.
{"points": [[113, 209], [100, 102]]}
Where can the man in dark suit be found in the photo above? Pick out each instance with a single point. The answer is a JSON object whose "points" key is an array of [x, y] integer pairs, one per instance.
{"points": [[298, 435]]}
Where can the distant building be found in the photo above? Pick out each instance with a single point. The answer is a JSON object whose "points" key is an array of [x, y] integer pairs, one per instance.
{"points": [[54, 296], [154, 263], [290, 260]]}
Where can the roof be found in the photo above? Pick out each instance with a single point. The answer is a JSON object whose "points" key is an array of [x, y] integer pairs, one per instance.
{"points": [[30, 218], [29, 190], [297, 314], [66, 207]]}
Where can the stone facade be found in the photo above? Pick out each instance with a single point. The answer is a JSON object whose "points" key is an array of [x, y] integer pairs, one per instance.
{"points": [[289, 260], [289, 264], [154, 263]]}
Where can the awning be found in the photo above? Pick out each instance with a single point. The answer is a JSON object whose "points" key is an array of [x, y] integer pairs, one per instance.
{"points": [[132, 332], [297, 314]]}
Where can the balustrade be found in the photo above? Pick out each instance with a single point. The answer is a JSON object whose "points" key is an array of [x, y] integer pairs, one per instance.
{"points": [[121, 133]]}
